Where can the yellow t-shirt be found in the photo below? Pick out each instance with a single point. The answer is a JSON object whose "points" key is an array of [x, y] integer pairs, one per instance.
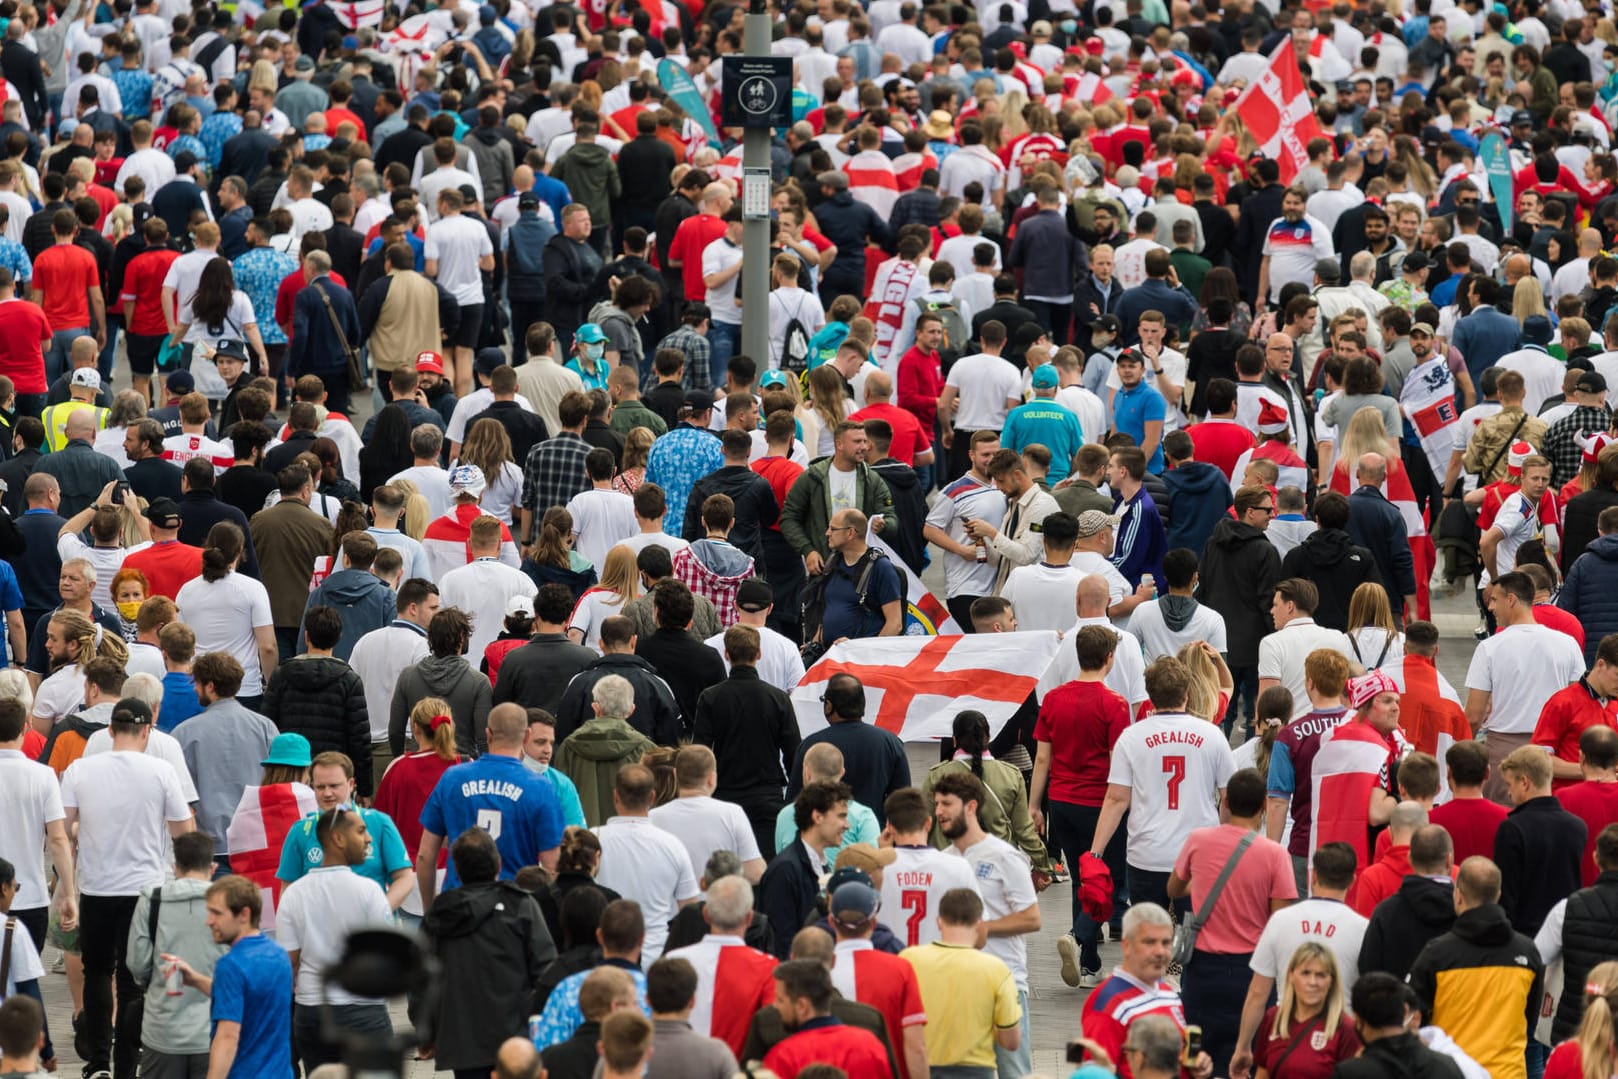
{"points": [[968, 995]]}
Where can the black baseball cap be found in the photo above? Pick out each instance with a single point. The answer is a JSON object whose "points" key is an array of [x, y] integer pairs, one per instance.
{"points": [[163, 512]]}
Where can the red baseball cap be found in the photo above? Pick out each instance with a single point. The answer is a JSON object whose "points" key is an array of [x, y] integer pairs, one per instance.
{"points": [[430, 361]]}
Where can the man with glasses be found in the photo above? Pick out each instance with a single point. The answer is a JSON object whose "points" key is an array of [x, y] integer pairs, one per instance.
{"points": [[312, 922], [1240, 568], [862, 596], [387, 862]]}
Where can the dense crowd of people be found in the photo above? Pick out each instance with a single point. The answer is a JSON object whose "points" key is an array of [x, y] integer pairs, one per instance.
{"points": [[395, 532]]}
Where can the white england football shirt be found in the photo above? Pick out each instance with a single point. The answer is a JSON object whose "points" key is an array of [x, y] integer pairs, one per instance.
{"points": [[914, 885], [1175, 765]]}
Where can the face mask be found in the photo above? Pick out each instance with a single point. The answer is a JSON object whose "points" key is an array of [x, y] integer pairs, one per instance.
{"points": [[1068, 26], [595, 352], [534, 766], [129, 610]]}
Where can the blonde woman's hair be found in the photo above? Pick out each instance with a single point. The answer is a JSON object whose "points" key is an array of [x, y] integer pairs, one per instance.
{"points": [[1527, 301], [122, 220], [1595, 1034], [441, 741], [1365, 433], [1311, 951], [418, 512], [14, 687], [1202, 698], [263, 77], [637, 447], [620, 575], [826, 396], [1369, 607]]}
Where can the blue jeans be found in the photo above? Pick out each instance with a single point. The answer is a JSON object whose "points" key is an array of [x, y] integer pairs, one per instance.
{"points": [[1213, 989], [1072, 827], [56, 360], [1535, 1057], [1018, 1062], [724, 341], [104, 362]]}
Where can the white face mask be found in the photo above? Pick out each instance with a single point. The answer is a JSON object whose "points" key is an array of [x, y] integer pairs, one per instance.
{"points": [[595, 352], [534, 766]]}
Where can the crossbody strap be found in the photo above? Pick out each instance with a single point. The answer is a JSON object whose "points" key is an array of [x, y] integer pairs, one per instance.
{"points": [[331, 312], [151, 925], [1494, 463], [1297, 1038], [1200, 919]]}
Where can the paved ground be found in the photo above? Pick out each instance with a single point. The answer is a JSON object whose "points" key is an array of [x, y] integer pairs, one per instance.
{"points": [[1054, 1006]]}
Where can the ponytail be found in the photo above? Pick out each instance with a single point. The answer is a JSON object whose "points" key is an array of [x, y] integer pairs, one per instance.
{"points": [[971, 734], [1272, 712], [1595, 1034], [435, 727], [222, 550]]}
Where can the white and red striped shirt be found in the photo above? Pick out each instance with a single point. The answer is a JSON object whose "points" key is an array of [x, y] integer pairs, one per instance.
{"points": [[179, 449], [733, 982], [885, 982]]}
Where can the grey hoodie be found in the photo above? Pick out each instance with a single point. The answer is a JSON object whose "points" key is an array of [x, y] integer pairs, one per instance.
{"points": [[177, 1026], [1288, 534], [450, 677]]}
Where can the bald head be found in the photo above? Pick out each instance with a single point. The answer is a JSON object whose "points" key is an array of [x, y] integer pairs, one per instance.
{"points": [[81, 424], [1372, 469], [1518, 266], [716, 198], [1092, 596], [814, 943], [517, 1059], [878, 387], [507, 726], [1589, 243], [1406, 818]]}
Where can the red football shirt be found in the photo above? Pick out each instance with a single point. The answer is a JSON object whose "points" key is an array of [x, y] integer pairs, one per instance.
{"points": [[1220, 443], [1471, 824], [168, 566], [23, 330], [143, 283], [1082, 722], [1597, 805], [908, 439], [1568, 714], [690, 239], [64, 274]]}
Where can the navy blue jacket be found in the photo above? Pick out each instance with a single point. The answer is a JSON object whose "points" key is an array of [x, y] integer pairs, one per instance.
{"points": [[175, 200], [1590, 592], [1199, 498], [316, 348], [200, 511], [786, 894], [39, 570], [848, 224], [1051, 258], [1375, 524], [1153, 294]]}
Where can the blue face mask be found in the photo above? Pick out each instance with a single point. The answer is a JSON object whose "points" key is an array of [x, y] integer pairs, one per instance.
{"points": [[595, 352], [1068, 26]]}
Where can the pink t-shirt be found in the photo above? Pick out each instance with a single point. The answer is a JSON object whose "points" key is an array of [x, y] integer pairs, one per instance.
{"points": [[1243, 908]]}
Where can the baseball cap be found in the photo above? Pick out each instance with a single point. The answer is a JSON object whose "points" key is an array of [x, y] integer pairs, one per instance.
{"points": [[846, 875], [837, 181], [520, 605], [303, 63], [854, 903], [1045, 377], [470, 194], [163, 512], [1093, 522], [466, 479], [486, 361], [87, 377], [527, 201], [1522, 116], [1423, 328], [1536, 330], [697, 401], [429, 361], [1108, 324], [180, 383], [1417, 260], [1041, 28], [1328, 270], [231, 349], [132, 710], [289, 749], [865, 857], [754, 595], [1591, 382], [773, 378], [590, 334]]}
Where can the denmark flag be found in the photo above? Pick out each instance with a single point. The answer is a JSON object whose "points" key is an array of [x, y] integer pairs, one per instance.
{"points": [[1277, 112], [915, 685]]}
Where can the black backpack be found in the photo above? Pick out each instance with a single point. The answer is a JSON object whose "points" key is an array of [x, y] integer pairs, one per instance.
{"points": [[795, 345], [813, 610]]}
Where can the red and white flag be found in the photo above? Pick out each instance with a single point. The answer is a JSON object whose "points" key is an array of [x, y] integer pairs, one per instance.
{"points": [[733, 982], [259, 830], [1352, 760], [873, 181], [886, 308], [914, 685], [925, 613], [1428, 398], [1277, 112]]}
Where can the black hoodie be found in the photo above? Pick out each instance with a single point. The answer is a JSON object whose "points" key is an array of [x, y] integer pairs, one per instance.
{"points": [[493, 945], [1337, 566], [910, 507], [1240, 567], [1402, 924]]}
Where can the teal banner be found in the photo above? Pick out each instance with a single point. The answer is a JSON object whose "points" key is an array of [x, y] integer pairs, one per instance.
{"points": [[1497, 163], [684, 91]]}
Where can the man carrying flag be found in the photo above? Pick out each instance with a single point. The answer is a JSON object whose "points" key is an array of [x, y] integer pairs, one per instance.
{"points": [[1428, 400], [1354, 766], [1277, 112]]}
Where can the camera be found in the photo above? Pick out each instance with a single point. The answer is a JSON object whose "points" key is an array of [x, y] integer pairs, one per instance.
{"points": [[381, 963]]}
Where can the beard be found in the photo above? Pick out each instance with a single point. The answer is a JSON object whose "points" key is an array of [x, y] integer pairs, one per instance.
{"points": [[954, 828]]}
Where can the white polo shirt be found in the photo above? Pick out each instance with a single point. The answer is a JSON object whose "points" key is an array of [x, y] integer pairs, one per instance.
{"points": [[316, 913], [125, 801], [1521, 667], [1281, 656], [641, 861], [30, 798], [703, 825]]}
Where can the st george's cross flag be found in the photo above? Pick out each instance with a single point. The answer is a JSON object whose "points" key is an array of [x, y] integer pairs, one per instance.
{"points": [[1277, 113], [258, 831], [1353, 759], [915, 686], [924, 613], [733, 982]]}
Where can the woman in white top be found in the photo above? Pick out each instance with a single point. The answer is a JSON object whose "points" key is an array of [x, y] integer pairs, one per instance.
{"points": [[1371, 628], [620, 583], [827, 407], [488, 445], [229, 611], [219, 312]]}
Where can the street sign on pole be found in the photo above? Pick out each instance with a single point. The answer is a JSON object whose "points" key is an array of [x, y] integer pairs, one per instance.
{"points": [[757, 91]]}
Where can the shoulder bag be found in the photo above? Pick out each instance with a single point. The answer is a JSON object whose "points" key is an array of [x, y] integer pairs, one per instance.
{"points": [[356, 367], [1185, 937]]}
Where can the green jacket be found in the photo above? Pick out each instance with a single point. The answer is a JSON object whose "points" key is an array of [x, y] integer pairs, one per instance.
{"points": [[591, 757], [808, 509], [631, 414], [587, 170], [1003, 814]]}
